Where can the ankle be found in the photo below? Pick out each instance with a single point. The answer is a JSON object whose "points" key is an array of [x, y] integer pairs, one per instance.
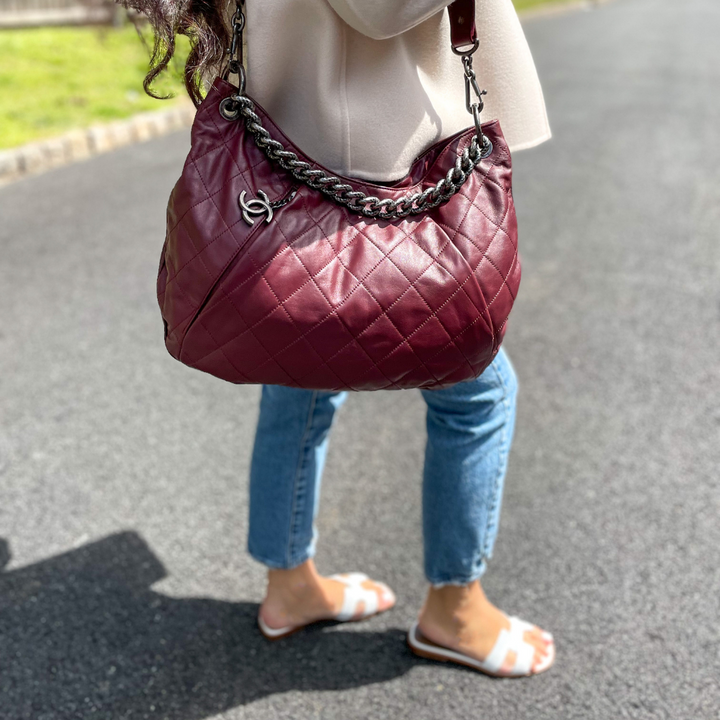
{"points": [[298, 589], [453, 608], [455, 600], [301, 578]]}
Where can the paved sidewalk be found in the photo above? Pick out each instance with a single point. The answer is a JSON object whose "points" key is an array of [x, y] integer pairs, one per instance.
{"points": [[126, 591]]}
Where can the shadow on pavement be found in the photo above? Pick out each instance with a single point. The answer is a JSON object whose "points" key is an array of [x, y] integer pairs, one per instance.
{"points": [[82, 635]]}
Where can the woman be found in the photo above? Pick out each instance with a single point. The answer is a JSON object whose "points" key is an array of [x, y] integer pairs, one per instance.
{"points": [[365, 86]]}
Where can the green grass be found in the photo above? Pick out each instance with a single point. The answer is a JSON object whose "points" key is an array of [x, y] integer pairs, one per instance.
{"points": [[56, 79], [527, 4]]}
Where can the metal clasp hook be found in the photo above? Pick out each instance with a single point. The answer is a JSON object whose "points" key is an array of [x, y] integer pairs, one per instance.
{"points": [[235, 51], [474, 100], [471, 83]]}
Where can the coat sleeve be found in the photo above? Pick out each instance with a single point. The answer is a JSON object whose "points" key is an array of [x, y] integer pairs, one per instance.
{"points": [[382, 19]]}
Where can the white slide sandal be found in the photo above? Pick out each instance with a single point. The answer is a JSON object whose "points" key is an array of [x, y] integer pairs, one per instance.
{"points": [[354, 594], [511, 640]]}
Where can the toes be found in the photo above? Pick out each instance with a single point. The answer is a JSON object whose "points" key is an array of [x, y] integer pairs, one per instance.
{"points": [[534, 638], [544, 635], [386, 597], [539, 638], [543, 648], [543, 660], [538, 660]]}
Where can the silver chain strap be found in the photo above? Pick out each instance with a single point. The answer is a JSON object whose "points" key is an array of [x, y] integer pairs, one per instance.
{"points": [[239, 105]]}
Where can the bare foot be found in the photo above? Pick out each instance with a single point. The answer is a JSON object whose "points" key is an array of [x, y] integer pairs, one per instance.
{"points": [[301, 595], [460, 617]]}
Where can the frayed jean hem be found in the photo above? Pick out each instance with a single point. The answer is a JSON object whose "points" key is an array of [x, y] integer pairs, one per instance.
{"points": [[458, 581], [275, 565]]}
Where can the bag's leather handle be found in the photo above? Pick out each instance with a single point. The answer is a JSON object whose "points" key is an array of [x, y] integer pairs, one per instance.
{"points": [[463, 34]]}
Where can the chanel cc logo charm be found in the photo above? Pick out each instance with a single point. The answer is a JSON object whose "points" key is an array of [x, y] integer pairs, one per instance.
{"points": [[255, 206]]}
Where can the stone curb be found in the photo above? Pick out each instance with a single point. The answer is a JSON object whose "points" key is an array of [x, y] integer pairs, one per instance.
{"points": [[37, 157]]}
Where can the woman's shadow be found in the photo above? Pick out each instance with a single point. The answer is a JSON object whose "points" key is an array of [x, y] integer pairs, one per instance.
{"points": [[82, 635]]}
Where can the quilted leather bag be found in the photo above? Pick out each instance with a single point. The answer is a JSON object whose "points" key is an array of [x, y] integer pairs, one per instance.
{"points": [[276, 271]]}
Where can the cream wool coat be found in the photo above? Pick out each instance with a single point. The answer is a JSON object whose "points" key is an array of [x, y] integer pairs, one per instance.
{"points": [[365, 86]]}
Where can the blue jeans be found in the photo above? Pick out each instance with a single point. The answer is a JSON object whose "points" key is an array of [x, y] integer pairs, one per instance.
{"points": [[469, 431]]}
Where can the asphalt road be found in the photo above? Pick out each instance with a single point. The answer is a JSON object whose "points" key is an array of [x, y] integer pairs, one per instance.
{"points": [[126, 591]]}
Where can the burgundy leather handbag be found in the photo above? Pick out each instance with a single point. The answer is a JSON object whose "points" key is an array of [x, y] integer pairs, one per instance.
{"points": [[276, 271]]}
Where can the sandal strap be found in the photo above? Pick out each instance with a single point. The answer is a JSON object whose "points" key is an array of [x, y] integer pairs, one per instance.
{"points": [[494, 661], [511, 640], [524, 659], [355, 594]]}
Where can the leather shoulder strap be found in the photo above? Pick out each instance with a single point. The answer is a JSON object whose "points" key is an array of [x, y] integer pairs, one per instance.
{"points": [[463, 34]]}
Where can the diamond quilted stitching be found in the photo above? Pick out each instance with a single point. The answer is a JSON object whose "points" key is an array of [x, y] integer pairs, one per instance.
{"points": [[382, 284], [285, 340], [398, 300], [301, 360], [362, 257], [315, 282], [269, 372], [184, 231], [429, 353], [415, 259], [277, 331], [338, 284], [206, 342], [384, 237], [495, 199], [499, 230], [246, 285], [226, 326], [354, 362], [397, 363], [329, 251], [454, 317], [440, 279], [494, 188], [329, 336], [248, 347], [459, 289], [284, 333], [182, 249], [454, 339], [286, 277], [363, 313], [495, 257], [411, 314], [256, 298], [221, 165], [491, 264], [219, 362], [391, 269], [380, 338], [451, 342]]}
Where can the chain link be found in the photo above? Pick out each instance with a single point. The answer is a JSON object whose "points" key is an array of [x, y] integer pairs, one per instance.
{"points": [[239, 105], [236, 106]]}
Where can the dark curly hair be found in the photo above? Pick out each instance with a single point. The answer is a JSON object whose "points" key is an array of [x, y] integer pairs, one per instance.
{"points": [[204, 22]]}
